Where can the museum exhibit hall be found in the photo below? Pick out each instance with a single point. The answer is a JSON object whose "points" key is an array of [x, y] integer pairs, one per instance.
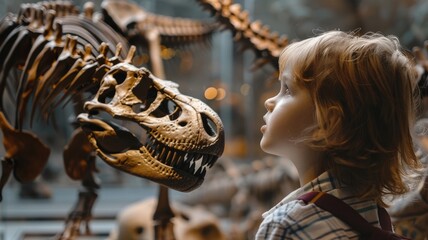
{"points": [[132, 120]]}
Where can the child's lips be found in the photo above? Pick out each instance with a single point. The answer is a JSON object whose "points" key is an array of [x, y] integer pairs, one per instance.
{"points": [[263, 128]]}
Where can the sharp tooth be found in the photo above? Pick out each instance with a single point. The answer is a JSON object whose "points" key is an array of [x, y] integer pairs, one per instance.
{"points": [[204, 171], [198, 164], [159, 146], [205, 160], [163, 154], [190, 157], [179, 160], [192, 167], [173, 157], [169, 158], [157, 149], [199, 171]]}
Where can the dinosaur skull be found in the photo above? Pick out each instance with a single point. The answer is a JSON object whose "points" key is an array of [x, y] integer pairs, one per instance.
{"points": [[182, 136]]}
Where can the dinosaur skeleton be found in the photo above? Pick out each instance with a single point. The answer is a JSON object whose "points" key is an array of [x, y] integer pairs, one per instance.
{"points": [[267, 45], [18, 32], [52, 55], [143, 28]]}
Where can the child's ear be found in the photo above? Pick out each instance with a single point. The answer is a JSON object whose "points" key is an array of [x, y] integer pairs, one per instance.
{"points": [[333, 119]]}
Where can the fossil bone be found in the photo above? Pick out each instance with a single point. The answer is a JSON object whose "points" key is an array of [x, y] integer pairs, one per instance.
{"points": [[266, 44], [54, 55], [134, 21], [139, 26], [192, 223]]}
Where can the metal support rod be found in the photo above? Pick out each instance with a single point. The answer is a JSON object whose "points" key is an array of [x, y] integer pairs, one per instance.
{"points": [[164, 228]]}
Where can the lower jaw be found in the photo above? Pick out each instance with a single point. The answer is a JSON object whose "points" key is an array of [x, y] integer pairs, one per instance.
{"points": [[170, 178]]}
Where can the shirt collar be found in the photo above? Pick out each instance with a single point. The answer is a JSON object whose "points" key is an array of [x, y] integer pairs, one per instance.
{"points": [[323, 183]]}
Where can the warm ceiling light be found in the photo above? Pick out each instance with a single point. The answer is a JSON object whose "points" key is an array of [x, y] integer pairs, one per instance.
{"points": [[221, 94], [210, 93]]}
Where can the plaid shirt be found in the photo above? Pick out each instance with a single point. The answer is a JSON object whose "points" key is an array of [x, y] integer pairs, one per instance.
{"points": [[293, 219]]}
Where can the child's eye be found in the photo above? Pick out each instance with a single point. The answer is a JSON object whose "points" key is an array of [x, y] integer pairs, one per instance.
{"points": [[284, 89]]}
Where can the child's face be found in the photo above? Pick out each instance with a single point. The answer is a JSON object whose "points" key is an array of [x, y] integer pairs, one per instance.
{"points": [[288, 113]]}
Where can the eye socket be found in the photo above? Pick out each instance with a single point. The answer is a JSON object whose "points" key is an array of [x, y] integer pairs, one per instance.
{"points": [[209, 125], [106, 96], [167, 107], [119, 76], [147, 98], [174, 110], [146, 92]]}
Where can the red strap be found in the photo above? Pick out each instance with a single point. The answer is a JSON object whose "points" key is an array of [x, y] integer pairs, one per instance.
{"points": [[339, 209], [384, 219], [346, 213]]}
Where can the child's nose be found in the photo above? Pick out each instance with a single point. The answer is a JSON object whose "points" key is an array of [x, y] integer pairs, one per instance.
{"points": [[269, 104]]}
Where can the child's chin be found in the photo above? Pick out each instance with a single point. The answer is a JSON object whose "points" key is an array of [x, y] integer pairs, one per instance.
{"points": [[263, 145]]}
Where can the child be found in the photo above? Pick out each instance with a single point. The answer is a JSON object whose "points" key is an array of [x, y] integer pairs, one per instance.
{"points": [[343, 116]]}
